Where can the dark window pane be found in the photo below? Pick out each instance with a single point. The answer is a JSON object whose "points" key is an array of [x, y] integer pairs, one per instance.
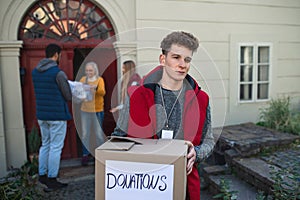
{"points": [[246, 92], [263, 73], [262, 91], [246, 73], [246, 55], [263, 54]]}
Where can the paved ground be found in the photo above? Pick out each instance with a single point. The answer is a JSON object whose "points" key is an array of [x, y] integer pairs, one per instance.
{"points": [[82, 185], [85, 189], [77, 189]]}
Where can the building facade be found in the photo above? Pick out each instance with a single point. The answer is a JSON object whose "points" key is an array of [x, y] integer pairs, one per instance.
{"points": [[249, 53]]}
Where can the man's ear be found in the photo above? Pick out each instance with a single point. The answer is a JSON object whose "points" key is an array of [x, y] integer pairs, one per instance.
{"points": [[55, 56], [162, 59]]}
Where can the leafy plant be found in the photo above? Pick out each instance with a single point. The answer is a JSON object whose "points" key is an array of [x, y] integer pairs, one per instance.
{"points": [[225, 192], [21, 184], [286, 184], [34, 140], [278, 116], [260, 196]]}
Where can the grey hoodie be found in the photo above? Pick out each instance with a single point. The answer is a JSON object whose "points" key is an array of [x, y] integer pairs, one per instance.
{"points": [[61, 77]]}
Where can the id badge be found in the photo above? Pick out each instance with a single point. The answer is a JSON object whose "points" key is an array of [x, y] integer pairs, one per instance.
{"points": [[167, 134]]}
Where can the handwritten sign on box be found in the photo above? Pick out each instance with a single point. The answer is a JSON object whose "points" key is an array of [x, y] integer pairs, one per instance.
{"points": [[138, 180]]}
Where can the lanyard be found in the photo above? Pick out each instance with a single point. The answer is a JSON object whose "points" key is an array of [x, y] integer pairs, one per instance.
{"points": [[163, 102]]}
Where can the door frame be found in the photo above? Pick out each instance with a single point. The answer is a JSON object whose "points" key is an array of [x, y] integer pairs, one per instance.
{"points": [[36, 50]]}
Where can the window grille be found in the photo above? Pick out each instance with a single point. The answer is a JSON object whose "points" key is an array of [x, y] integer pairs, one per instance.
{"points": [[254, 72], [66, 20]]}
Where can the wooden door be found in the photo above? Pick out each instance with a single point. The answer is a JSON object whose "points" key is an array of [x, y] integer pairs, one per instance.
{"points": [[106, 60]]}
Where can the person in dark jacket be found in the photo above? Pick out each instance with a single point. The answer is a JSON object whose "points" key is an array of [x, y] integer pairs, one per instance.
{"points": [[170, 104], [52, 91]]}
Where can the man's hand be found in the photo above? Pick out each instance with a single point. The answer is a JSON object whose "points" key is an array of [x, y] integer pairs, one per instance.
{"points": [[93, 88], [191, 157]]}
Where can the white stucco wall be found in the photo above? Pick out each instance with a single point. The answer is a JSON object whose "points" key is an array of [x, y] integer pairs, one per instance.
{"points": [[12, 114], [220, 25], [12, 117], [3, 166]]}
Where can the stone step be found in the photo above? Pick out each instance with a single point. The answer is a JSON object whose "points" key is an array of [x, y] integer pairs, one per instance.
{"points": [[258, 172], [206, 195], [243, 190], [249, 139], [255, 172], [251, 153]]}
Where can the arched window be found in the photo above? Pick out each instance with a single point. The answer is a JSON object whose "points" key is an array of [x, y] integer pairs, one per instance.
{"points": [[65, 20]]}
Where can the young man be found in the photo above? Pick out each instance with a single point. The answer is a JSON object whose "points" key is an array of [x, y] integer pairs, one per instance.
{"points": [[52, 91], [170, 104]]}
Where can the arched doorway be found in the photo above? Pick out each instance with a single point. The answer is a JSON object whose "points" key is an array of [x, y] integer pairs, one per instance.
{"points": [[77, 26]]}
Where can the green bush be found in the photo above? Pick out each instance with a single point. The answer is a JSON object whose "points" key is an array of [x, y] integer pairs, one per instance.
{"points": [[34, 140], [225, 191], [286, 184], [21, 184], [260, 196], [278, 116]]}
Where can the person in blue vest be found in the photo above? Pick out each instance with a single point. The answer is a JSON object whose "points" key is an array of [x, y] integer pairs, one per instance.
{"points": [[52, 92]]}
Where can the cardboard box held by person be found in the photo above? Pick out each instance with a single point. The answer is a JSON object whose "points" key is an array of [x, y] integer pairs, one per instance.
{"points": [[133, 168]]}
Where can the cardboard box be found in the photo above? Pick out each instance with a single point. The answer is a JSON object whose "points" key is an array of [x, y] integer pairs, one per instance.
{"points": [[132, 168]]}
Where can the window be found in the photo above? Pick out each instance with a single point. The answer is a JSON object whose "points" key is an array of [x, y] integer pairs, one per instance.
{"points": [[72, 20], [254, 72]]}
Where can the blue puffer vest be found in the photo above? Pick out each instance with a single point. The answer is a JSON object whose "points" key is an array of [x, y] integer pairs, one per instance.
{"points": [[50, 103]]}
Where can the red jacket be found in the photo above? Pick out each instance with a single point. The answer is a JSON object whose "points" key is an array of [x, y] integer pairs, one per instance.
{"points": [[134, 78], [142, 120]]}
